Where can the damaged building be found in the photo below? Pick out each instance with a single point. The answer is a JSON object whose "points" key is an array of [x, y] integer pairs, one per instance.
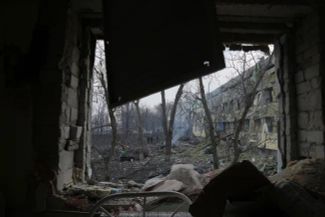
{"points": [[47, 55], [227, 103], [261, 120]]}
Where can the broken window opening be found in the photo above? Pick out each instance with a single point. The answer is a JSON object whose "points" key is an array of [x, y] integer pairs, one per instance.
{"points": [[139, 139], [138, 157]]}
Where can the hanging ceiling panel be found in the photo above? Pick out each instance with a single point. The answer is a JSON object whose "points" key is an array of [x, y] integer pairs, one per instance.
{"points": [[155, 44]]}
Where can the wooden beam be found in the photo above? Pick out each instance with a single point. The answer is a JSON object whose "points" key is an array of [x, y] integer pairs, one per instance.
{"points": [[255, 19], [269, 2], [248, 38], [251, 31], [273, 27], [252, 28]]}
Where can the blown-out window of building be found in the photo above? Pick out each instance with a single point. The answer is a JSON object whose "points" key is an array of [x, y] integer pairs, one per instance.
{"points": [[257, 124], [220, 127], [267, 95], [231, 105], [238, 104], [269, 123], [246, 125]]}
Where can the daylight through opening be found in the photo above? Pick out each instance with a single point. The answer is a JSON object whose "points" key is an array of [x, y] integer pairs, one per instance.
{"points": [[234, 111]]}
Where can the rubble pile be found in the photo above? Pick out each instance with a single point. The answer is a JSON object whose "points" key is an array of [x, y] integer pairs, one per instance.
{"points": [[239, 190], [182, 178], [183, 153], [309, 173], [83, 196]]}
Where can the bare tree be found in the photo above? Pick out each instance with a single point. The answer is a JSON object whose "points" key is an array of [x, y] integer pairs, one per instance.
{"points": [[140, 130], [100, 71], [126, 119], [210, 123], [248, 88], [168, 123], [188, 109], [99, 120]]}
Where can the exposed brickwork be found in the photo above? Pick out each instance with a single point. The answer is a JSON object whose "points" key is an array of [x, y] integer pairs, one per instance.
{"points": [[308, 88]]}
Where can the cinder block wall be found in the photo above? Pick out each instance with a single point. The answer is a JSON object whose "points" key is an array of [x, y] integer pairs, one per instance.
{"points": [[45, 84], [308, 82], [74, 122], [69, 66]]}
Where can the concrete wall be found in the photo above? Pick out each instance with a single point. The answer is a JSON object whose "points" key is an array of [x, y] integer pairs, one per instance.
{"points": [[308, 81], [40, 81], [28, 91], [74, 149], [301, 102]]}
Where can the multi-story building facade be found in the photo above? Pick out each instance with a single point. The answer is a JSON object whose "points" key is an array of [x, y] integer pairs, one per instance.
{"points": [[229, 100]]}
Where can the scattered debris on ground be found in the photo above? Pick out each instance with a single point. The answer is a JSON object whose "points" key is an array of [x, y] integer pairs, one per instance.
{"points": [[187, 152], [239, 190], [182, 178]]}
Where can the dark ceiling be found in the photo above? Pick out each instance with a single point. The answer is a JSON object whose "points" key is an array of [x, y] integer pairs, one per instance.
{"points": [[157, 44]]}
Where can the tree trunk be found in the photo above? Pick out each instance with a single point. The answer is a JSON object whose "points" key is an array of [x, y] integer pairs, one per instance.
{"points": [[165, 126], [126, 124], [239, 128], [168, 127], [249, 100], [114, 140], [213, 140], [140, 130], [113, 125]]}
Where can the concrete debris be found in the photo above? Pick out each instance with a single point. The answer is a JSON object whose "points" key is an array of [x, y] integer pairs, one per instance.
{"points": [[309, 173], [94, 192], [151, 183], [110, 184], [182, 178], [186, 174], [132, 183], [239, 190], [169, 185]]}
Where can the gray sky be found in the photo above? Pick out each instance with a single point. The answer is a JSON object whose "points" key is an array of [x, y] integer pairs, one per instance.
{"points": [[211, 82], [233, 59]]}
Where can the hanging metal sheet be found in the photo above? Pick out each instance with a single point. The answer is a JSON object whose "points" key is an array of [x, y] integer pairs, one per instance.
{"points": [[155, 44]]}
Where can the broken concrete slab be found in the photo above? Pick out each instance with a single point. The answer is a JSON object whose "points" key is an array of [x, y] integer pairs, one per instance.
{"points": [[151, 183], [132, 183], [94, 192], [309, 173], [110, 184], [186, 174], [169, 185]]}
